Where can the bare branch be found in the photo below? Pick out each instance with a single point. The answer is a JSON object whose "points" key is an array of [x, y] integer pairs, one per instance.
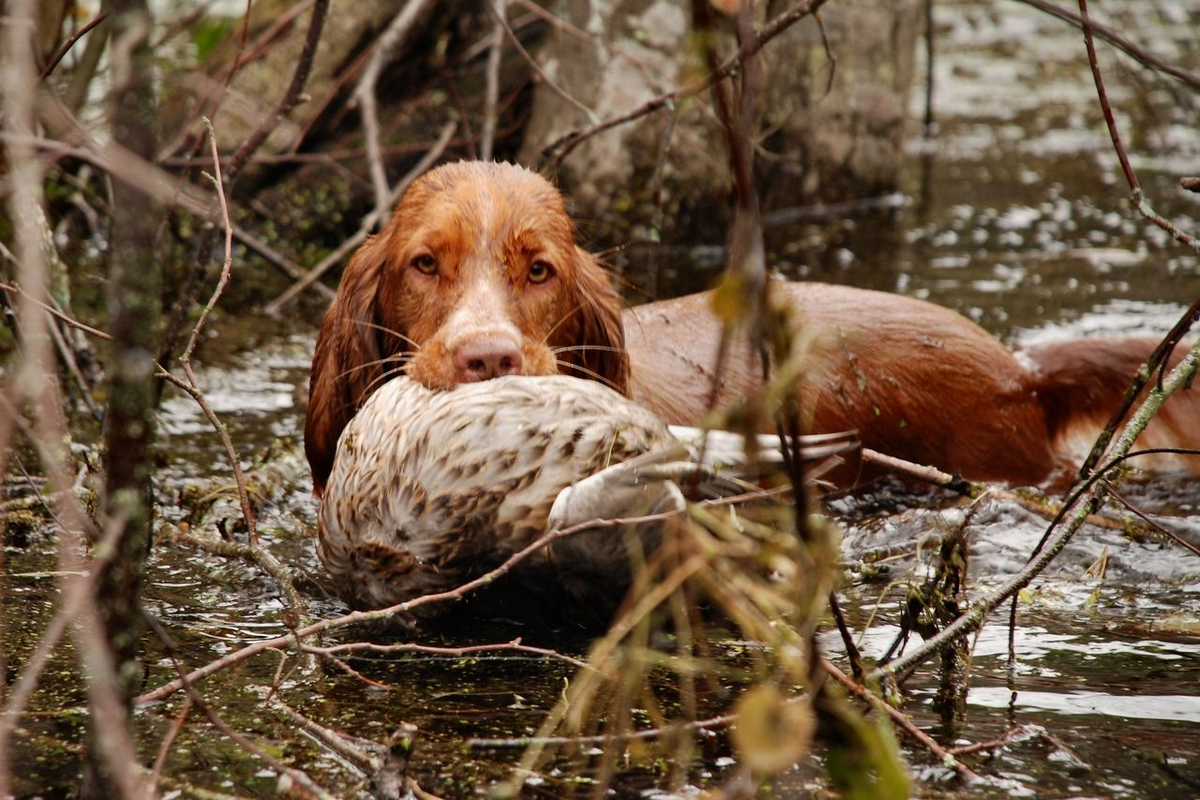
{"points": [[563, 146], [487, 134], [394, 36], [291, 97]]}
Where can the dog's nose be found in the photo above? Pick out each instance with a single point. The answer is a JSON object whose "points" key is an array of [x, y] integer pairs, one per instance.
{"points": [[483, 357]]}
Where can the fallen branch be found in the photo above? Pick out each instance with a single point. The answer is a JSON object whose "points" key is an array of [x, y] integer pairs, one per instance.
{"points": [[1079, 508], [382, 614], [395, 35], [901, 721]]}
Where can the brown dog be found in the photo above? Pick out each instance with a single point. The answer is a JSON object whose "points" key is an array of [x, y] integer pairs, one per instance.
{"points": [[478, 275]]}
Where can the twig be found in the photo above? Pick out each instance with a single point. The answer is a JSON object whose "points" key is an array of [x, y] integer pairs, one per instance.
{"points": [[34, 379], [930, 475], [291, 97], [904, 723], [456, 652], [487, 134], [497, 12], [193, 385], [363, 758], [1079, 509], [368, 224], [378, 762], [66, 46], [930, 38], [1165, 531], [847, 640], [385, 47], [252, 552], [712, 723], [212, 93], [143, 175], [49, 309], [830, 56], [991, 744], [1164, 348], [358, 617], [1117, 40], [301, 778], [1138, 198], [563, 146], [76, 595], [164, 749]]}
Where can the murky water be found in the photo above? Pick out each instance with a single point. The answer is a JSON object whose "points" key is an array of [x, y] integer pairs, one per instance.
{"points": [[1016, 216]]}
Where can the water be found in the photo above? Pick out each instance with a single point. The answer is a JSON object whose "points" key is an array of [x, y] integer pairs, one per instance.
{"points": [[1016, 216]]}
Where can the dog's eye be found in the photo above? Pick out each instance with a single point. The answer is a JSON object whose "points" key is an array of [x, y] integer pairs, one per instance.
{"points": [[425, 264], [539, 271]]}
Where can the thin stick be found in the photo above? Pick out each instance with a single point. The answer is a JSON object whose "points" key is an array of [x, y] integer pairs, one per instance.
{"points": [[847, 640], [291, 97], [1109, 120], [991, 744], [254, 553], [362, 758], [228, 730], [164, 749], [497, 13], [930, 37], [35, 379], [712, 723], [456, 652], [1139, 197], [487, 134], [1079, 508], [193, 387], [1165, 531], [563, 146], [1117, 40], [1164, 348], [903, 722], [385, 47], [930, 475], [75, 597], [143, 175], [66, 46], [357, 617], [54, 312]]}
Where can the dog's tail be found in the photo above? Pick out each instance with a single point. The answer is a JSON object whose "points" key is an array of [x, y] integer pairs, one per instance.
{"points": [[1082, 382]]}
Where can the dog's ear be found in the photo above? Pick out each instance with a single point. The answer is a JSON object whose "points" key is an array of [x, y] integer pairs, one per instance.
{"points": [[598, 331], [346, 364]]}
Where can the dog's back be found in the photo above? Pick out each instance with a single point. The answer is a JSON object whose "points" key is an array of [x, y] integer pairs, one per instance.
{"points": [[1082, 382]]}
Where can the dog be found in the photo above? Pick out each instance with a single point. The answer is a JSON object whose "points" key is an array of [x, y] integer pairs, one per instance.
{"points": [[478, 275]]}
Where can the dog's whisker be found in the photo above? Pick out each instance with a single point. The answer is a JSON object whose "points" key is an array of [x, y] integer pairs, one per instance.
{"points": [[596, 376], [568, 314], [385, 376], [402, 357], [578, 347], [376, 326]]}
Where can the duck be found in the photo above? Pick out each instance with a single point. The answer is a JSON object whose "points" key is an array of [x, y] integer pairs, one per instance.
{"points": [[431, 488]]}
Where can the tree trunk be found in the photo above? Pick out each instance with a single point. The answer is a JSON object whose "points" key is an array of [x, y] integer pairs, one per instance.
{"points": [[134, 304]]}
